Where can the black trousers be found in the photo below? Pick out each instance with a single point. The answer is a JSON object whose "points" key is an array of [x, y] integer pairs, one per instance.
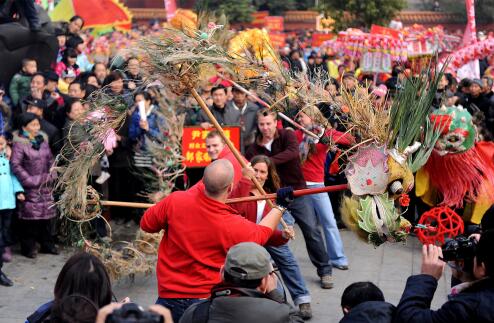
{"points": [[32, 231], [5, 227]]}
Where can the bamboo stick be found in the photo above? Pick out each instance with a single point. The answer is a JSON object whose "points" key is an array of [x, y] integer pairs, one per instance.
{"points": [[296, 193], [230, 145]]}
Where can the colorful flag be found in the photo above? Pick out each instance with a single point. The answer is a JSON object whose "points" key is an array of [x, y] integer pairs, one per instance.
{"points": [[96, 13]]}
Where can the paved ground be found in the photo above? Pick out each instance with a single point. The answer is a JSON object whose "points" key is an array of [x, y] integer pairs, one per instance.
{"points": [[387, 266]]}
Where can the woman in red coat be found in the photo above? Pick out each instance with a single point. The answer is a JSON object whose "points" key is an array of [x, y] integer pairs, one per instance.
{"points": [[265, 172]]}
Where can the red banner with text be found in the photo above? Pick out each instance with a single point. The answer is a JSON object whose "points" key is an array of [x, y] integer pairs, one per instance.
{"points": [[319, 38], [194, 144], [380, 30], [274, 23], [258, 18]]}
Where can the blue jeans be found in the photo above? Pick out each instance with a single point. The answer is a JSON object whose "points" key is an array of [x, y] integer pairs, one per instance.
{"points": [[289, 268], [177, 305], [290, 272], [324, 212], [302, 210]]}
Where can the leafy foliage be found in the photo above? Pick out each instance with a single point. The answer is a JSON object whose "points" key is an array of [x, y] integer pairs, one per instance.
{"points": [[236, 10], [483, 9], [275, 7], [362, 13]]}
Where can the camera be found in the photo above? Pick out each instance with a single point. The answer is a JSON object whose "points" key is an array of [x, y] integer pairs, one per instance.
{"points": [[133, 313], [460, 248]]}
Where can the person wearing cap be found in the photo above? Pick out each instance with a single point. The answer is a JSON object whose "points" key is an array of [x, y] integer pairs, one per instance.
{"points": [[248, 112], [200, 229], [247, 292], [475, 100], [37, 107]]}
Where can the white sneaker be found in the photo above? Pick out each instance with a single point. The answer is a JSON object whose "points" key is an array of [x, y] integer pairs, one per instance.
{"points": [[102, 178]]}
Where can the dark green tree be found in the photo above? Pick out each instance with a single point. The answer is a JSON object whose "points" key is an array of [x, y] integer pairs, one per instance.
{"points": [[275, 7], [237, 11], [484, 9], [362, 13]]}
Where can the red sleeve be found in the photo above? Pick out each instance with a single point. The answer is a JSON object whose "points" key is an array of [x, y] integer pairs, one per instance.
{"points": [[276, 239], [155, 218], [242, 230], [290, 152], [340, 138]]}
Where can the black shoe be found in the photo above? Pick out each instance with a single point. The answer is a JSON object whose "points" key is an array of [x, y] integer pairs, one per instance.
{"points": [[305, 311], [5, 281], [341, 267], [50, 250], [31, 254]]}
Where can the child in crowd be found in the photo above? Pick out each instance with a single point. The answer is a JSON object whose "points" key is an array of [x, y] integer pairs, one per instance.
{"points": [[68, 76], [20, 85], [68, 62], [9, 189]]}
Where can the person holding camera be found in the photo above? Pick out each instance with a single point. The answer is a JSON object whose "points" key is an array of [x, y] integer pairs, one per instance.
{"points": [[474, 302], [247, 292]]}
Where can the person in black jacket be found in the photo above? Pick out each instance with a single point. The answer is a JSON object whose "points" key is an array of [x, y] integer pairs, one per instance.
{"points": [[248, 292], [364, 302], [472, 302]]}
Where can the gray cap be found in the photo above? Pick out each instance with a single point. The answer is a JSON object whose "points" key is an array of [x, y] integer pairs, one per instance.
{"points": [[478, 82], [248, 261]]}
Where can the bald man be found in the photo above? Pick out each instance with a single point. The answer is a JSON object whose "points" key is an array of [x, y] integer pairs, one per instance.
{"points": [[199, 230]]}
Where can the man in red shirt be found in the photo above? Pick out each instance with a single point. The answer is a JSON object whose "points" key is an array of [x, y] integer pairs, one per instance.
{"points": [[217, 149], [199, 230]]}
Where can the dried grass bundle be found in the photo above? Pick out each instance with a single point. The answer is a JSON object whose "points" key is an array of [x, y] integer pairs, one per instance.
{"points": [[84, 147], [368, 122]]}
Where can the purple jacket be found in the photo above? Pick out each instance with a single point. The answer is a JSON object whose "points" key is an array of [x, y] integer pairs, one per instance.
{"points": [[32, 168]]}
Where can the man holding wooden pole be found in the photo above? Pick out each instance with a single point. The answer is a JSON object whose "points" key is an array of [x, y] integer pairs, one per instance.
{"points": [[199, 230], [281, 146]]}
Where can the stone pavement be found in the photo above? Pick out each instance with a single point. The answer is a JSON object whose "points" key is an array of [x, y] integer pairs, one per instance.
{"points": [[387, 266]]}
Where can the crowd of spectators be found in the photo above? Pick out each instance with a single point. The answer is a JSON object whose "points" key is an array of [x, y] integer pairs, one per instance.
{"points": [[41, 111]]}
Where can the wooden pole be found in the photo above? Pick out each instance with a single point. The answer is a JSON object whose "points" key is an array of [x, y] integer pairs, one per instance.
{"points": [[230, 145], [296, 193]]}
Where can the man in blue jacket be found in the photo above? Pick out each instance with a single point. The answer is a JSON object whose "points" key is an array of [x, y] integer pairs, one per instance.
{"points": [[472, 303]]}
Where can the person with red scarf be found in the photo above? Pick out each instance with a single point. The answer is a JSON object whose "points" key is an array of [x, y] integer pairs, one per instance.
{"points": [[313, 156]]}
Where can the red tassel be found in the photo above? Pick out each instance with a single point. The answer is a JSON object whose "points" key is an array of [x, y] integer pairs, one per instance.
{"points": [[460, 177]]}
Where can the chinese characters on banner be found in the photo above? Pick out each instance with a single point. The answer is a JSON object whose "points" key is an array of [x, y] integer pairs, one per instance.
{"points": [[194, 144], [375, 62], [274, 23], [258, 18]]}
